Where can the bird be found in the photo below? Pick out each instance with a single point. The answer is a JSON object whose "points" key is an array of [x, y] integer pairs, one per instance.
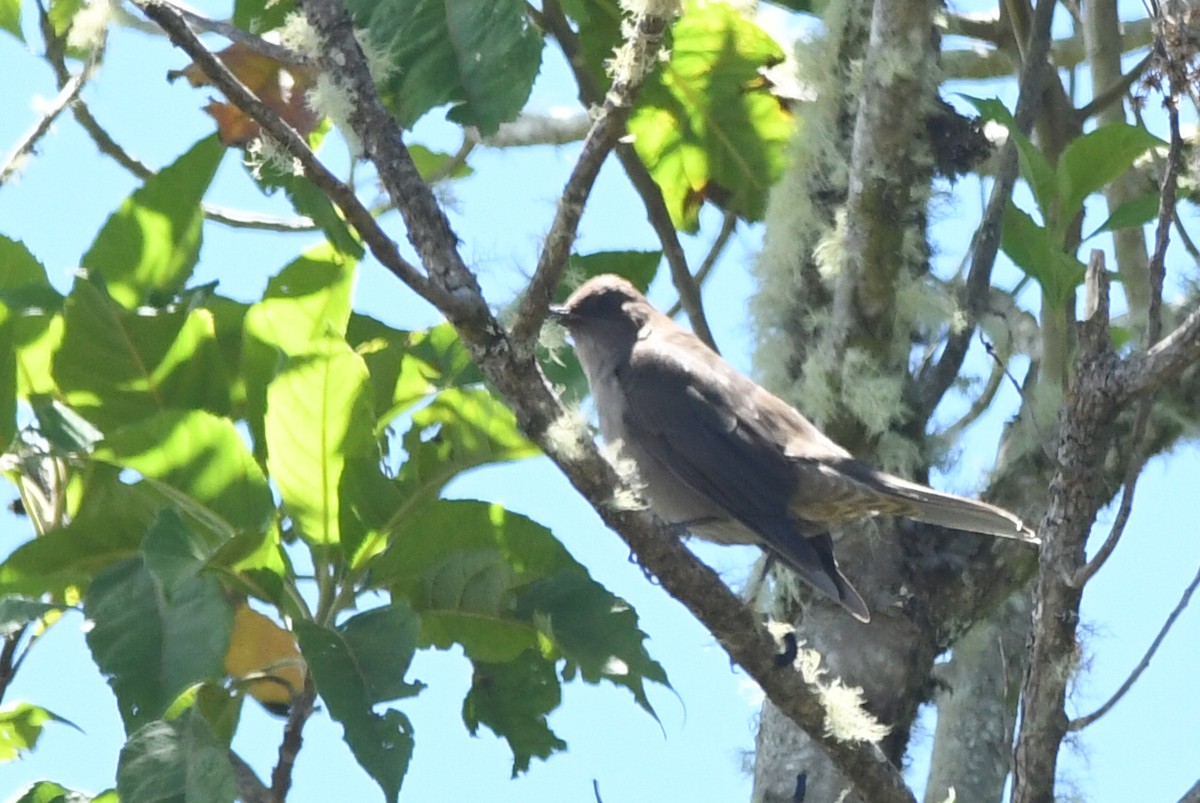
{"points": [[723, 458]]}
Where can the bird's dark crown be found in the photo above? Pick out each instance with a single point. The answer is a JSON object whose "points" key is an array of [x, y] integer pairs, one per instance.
{"points": [[604, 298]]}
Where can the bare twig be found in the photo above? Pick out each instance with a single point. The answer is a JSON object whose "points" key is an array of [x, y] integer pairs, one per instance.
{"points": [[237, 219], [24, 147], [639, 176], [383, 248], [641, 49], [1184, 599], [981, 403], [933, 383], [1115, 92], [300, 710], [1192, 795], [728, 227]]}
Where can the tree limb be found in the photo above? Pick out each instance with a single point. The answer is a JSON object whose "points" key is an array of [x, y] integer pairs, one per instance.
{"points": [[647, 188], [384, 249]]}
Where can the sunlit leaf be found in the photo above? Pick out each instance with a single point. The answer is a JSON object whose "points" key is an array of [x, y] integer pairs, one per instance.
{"points": [[706, 124], [201, 462], [21, 727], [148, 247], [108, 528], [260, 647], [10, 18], [318, 416], [118, 366]]}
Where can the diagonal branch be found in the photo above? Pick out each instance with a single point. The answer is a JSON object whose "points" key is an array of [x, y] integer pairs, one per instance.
{"points": [[1084, 721], [383, 248], [609, 126], [686, 285], [933, 383], [66, 96]]}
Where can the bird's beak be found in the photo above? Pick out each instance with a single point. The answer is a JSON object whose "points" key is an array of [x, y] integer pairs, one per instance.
{"points": [[559, 314]]}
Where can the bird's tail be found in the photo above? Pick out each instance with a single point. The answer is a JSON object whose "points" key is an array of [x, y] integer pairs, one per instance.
{"points": [[955, 512]]}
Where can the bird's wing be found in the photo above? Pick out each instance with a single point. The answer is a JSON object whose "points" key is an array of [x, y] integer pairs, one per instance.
{"points": [[698, 421]]}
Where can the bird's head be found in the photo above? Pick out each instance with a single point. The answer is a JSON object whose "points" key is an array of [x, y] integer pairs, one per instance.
{"points": [[605, 306]]}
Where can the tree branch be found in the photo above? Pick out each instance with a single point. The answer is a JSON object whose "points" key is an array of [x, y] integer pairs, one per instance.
{"points": [[300, 710], [643, 183], [66, 96], [933, 383], [384, 249], [1084, 721]]}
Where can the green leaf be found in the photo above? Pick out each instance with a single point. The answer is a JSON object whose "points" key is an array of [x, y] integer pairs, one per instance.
{"points": [[261, 16], [66, 430], [108, 527], [1131, 214], [307, 302], [594, 630], [156, 632], [1096, 159], [50, 792], [10, 18], [16, 612], [19, 268], [1032, 248], [357, 665], [37, 335], [431, 164], [118, 367], [148, 247], [499, 584], [407, 367], [1035, 168], [481, 58], [706, 124], [638, 267], [21, 727], [514, 699], [461, 429], [180, 760], [201, 463], [599, 24], [318, 416]]}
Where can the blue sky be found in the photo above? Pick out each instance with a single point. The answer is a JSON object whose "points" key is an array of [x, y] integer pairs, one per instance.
{"points": [[1143, 750]]}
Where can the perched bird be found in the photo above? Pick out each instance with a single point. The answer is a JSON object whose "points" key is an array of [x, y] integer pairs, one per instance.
{"points": [[726, 459]]}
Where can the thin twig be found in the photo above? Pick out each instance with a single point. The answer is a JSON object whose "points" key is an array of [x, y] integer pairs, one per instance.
{"points": [[1115, 92], [1192, 795], [298, 713], [933, 383], [382, 247], [639, 176], [642, 45], [728, 227], [237, 219], [981, 403], [1084, 721], [26, 144]]}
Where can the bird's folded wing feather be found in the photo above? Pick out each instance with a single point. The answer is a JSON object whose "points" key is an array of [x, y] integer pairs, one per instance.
{"points": [[710, 448]]}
